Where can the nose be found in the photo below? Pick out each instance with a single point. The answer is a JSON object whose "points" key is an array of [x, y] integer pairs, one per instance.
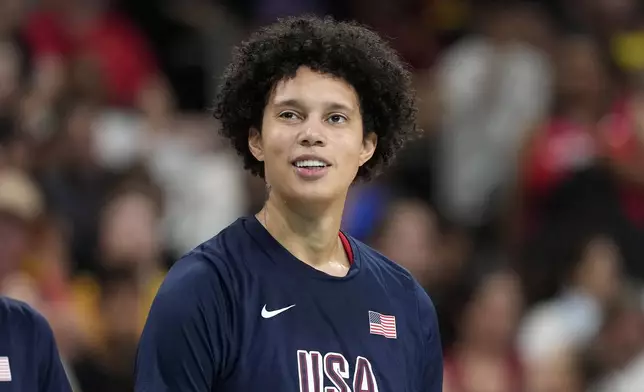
{"points": [[312, 135]]}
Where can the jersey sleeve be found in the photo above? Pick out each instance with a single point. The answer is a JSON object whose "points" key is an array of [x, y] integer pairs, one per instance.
{"points": [[51, 373], [432, 358], [186, 340]]}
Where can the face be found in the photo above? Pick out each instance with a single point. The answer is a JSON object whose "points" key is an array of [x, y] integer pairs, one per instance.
{"points": [[580, 70], [496, 309], [128, 232], [411, 238], [155, 99], [600, 270], [312, 141]]}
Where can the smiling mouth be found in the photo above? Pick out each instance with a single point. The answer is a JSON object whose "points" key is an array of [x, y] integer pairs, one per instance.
{"points": [[311, 164], [310, 169]]}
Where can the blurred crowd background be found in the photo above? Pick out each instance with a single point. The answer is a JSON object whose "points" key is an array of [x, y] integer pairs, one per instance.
{"points": [[521, 208]]}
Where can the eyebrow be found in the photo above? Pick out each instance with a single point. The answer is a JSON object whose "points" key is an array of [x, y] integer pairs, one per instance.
{"points": [[329, 106]]}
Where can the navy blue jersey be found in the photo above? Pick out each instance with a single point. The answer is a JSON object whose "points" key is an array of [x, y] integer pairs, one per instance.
{"points": [[241, 313], [29, 359]]}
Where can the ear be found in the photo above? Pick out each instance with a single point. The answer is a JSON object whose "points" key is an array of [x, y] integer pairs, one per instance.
{"points": [[369, 144], [255, 144]]}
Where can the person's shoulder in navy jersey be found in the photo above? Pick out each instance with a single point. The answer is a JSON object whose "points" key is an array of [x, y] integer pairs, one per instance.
{"points": [[29, 358], [283, 300], [197, 333]]}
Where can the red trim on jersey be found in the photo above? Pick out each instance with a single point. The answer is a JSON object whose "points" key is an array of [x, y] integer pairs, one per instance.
{"points": [[347, 246]]}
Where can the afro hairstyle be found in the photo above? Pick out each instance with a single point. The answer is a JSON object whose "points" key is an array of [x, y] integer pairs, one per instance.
{"points": [[345, 50]]}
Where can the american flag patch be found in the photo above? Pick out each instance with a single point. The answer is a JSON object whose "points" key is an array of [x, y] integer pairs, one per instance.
{"points": [[382, 324], [5, 370]]}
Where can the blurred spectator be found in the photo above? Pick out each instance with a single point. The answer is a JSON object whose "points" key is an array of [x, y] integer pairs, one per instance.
{"points": [[482, 359], [89, 30], [493, 85], [562, 172], [130, 272], [410, 234], [565, 144], [129, 240], [129, 235], [622, 148], [591, 271], [75, 184]]}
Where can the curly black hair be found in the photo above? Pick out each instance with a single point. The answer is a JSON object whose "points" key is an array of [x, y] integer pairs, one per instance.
{"points": [[343, 49]]}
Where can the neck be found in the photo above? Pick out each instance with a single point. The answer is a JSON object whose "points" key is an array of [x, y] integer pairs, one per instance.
{"points": [[311, 237]]}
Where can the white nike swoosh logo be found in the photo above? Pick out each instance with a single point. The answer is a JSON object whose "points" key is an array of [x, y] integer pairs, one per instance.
{"points": [[272, 313]]}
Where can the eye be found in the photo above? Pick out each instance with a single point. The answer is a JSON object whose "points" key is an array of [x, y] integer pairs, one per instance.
{"points": [[288, 115], [337, 119]]}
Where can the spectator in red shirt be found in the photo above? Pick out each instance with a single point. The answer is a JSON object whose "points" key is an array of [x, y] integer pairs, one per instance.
{"points": [[88, 30]]}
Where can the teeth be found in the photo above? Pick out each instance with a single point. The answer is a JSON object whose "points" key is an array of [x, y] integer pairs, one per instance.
{"points": [[310, 163]]}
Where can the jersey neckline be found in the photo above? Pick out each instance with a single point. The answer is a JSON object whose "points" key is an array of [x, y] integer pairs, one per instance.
{"points": [[285, 259]]}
